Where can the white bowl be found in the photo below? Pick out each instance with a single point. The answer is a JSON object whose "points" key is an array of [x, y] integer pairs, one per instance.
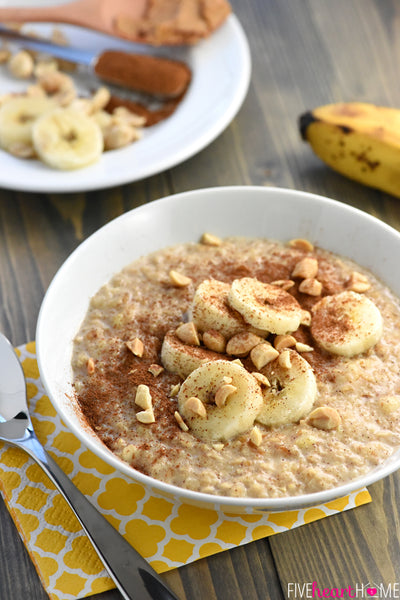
{"points": [[249, 211]]}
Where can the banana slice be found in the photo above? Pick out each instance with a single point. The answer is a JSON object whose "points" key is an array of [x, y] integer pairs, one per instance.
{"points": [[67, 139], [265, 306], [180, 358], [346, 324], [17, 117], [210, 309], [238, 395], [292, 392]]}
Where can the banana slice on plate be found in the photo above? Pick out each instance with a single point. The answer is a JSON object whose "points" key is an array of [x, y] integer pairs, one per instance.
{"points": [[17, 117], [67, 139], [265, 306], [210, 309], [219, 400], [346, 324], [292, 392], [180, 358]]}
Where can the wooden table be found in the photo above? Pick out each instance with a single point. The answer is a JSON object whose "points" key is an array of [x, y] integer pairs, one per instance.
{"points": [[305, 53]]}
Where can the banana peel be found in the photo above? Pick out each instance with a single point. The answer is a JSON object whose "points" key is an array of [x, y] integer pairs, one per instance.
{"points": [[359, 140]]}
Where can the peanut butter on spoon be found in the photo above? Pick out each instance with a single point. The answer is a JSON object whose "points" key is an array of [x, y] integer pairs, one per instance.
{"points": [[173, 22]]}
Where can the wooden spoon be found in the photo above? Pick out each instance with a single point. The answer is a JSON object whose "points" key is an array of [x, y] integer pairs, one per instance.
{"points": [[99, 15]]}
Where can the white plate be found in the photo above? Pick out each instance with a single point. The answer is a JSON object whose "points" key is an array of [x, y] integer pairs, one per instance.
{"points": [[221, 69], [248, 211]]}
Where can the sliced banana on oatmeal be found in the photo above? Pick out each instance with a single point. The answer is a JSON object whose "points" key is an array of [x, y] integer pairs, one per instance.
{"points": [[180, 358], [17, 117], [265, 306], [219, 400], [346, 324], [292, 392], [67, 139], [210, 309]]}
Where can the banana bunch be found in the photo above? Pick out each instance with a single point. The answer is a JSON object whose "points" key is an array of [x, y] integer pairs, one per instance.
{"points": [[220, 398], [359, 140], [63, 138]]}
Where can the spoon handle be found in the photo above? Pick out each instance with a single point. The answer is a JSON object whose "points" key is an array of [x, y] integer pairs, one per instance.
{"points": [[131, 573], [86, 13]]}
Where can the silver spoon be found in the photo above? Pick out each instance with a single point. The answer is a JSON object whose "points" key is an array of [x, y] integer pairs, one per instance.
{"points": [[132, 575]]}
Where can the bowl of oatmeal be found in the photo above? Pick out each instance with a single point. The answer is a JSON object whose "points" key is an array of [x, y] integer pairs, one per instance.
{"points": [[232, 346]]}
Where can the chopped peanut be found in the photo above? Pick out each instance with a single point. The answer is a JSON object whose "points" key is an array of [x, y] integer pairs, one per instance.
{"points": [[301, 244], [119, 136], [305, 318], [312, 287], [155, 370], [54, 82], [237, 361], [284, 341], [218, 446], [214, 340], [285, 284], [358, 282], [121, 114], [262, 379], [324, 417], [262, 354], [143, 397], [300, 347], [178, 279], [222, 394], [256, 436], [146, 416], [306, 268], [241, 343], [100, 99], [175, 390], [21, 65], [45, 66], [284, 359], [210, 240], [196, 406], [136, 347], [180, 421], [187, 333]]}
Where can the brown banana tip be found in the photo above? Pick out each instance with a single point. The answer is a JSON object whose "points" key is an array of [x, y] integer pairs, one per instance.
{"points": [[304, 121]]}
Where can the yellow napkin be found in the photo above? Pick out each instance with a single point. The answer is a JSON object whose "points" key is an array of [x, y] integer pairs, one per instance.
{"points": [[167, 533]]}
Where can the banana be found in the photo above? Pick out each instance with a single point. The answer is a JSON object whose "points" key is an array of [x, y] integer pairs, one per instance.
{"points": [[359, 140], [346, 324], [67, 139], [210, 309], [180, 358], [17, 117], [265, 306], [292, 392], [219, 401]]}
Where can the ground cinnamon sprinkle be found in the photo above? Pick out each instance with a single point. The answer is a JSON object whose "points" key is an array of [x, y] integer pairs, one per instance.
{"points": [[152, 116]]}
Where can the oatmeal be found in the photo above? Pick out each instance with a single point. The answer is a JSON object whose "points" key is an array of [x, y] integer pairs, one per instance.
{"points": [[243, 367]]}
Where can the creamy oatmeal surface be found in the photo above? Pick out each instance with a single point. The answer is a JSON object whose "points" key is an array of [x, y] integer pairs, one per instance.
{"points": [[311, 400]]}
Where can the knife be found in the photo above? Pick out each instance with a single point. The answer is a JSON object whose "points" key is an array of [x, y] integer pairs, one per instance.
{"points": [[154, 75]]}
